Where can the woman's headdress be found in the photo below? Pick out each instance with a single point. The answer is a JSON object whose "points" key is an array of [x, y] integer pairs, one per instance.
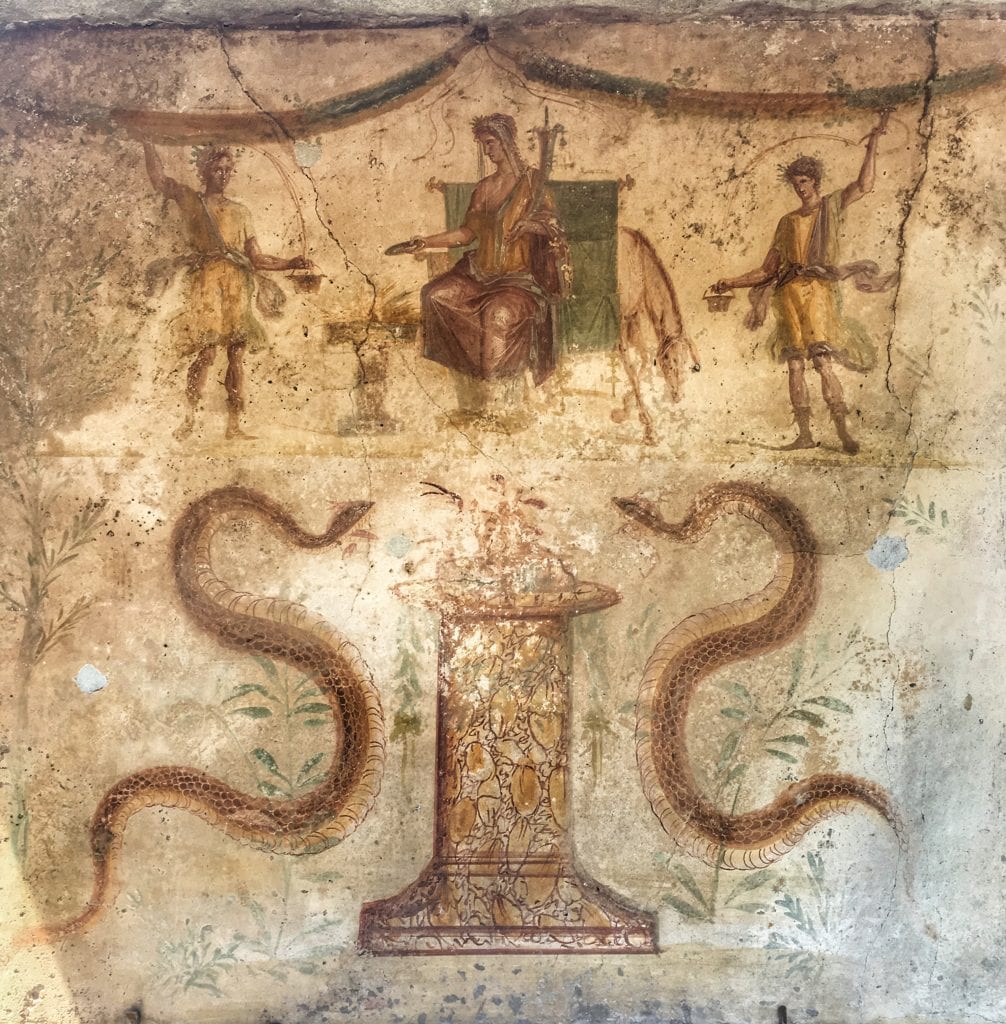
{"points": [[504, 128]]}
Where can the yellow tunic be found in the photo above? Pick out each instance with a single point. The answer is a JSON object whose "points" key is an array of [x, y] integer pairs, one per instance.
{"points": [[807, 299], [220, 283], [806, 308]]}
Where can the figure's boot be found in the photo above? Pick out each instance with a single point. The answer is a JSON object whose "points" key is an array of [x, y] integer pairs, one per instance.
{"points": [[234, 431], [849, 444], [804, 439]]}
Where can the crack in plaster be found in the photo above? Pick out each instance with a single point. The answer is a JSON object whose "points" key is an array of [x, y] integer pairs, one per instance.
{"points": [[1002, 511], [460, 430], [358, 345], [936, 948], [901, 852], [285, 136], [348, 263], [925, 130]]}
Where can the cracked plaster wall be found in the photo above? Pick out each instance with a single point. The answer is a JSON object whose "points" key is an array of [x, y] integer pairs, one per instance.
{"points": [[894, 679]]}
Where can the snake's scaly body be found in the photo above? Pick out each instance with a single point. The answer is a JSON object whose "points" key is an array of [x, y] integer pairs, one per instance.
{"points": [[705, 642], [275, 629]]}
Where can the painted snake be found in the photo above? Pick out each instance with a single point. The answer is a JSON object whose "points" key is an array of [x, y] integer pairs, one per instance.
{"points": [[705, 642], [275, 629]]}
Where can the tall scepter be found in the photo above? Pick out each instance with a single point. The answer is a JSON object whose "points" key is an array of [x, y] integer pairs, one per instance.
{"points": [[547, 136]]}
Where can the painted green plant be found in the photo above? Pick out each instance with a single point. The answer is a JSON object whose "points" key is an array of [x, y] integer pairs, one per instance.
{"points": [[64, 354], [31, 591], [701, 900], [990, 317], [34, 589], [594, 642], [811, 921], [292, 698], [291, 702], [201, 960], [918, 515], [277, 951], [196, 960], [407, 723], [781, 734], [756, 736], [809, 916], [597, 725]]}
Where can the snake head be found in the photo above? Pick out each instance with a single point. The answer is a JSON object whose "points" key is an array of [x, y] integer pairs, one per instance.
{"points": [[347, 515], [642, 511]]}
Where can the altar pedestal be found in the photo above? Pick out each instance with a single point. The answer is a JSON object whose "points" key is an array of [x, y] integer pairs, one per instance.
{"points": [[372, 345], [504, 876]]}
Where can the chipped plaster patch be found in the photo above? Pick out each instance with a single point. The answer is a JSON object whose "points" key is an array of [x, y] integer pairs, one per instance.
{"points": [[888, 552], [90, 680], [307, 153]]}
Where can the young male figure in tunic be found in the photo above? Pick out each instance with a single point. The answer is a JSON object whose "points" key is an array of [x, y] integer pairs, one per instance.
{"points": [[800, 275], [220, 280], [489, 318]]}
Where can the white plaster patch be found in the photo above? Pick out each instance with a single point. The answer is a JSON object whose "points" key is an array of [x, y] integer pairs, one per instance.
{"points": [[90, 680], [587, 541], [399, 545], [888, 552], [307, 154]]}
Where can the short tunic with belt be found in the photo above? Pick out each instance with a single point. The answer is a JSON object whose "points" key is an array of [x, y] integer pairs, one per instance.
{"points": [[219, 285], [807, 302]]}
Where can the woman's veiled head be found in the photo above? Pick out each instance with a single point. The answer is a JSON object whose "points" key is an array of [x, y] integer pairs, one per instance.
{"points": [[497, 135]]}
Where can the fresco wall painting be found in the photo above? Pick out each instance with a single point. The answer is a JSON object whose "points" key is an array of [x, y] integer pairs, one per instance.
{"points": [[478, 493]]}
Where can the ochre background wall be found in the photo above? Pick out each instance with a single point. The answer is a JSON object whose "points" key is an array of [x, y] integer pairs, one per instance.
{"points": [[894, 679]]}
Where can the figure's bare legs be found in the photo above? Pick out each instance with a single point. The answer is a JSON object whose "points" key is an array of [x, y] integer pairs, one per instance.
{"points": [[834, 398], [800, 399], [200, 367], [195, 381], [234, 383]]}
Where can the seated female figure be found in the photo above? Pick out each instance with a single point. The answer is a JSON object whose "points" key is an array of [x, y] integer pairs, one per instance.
{"points": [[490, 317]]}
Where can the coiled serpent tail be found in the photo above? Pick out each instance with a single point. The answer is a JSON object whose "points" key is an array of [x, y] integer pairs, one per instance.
{"points": [[275, 629], [707, 641]]}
